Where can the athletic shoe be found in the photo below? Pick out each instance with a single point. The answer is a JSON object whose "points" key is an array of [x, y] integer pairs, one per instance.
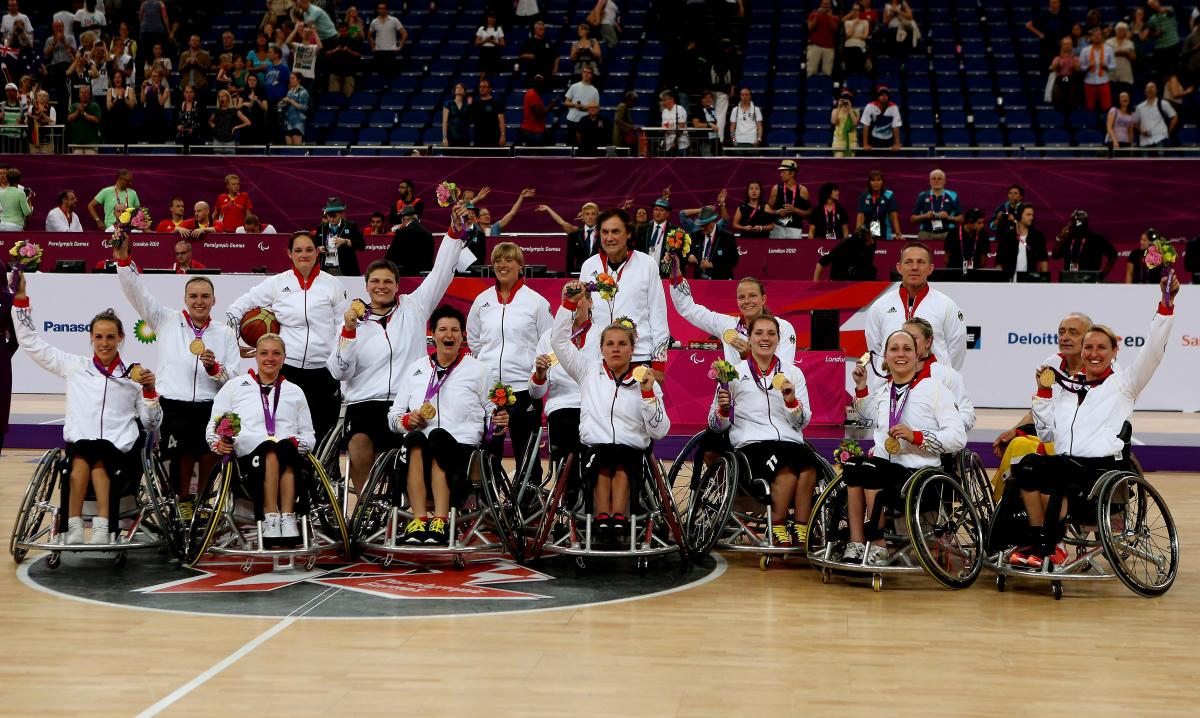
{"points": [[271, 530], [877, 556], [601, 529], [74, 535], [618, 528], [799, 533], [1019, 556], [100, 534], [415, 531], [783, 537], [186, 509], [289, 530], [1033, 560], [437, 534], [1059, 556], [854, 552]]}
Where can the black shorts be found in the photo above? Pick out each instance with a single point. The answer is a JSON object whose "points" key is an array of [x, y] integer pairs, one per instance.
{"points": [[121, 467], [873, 472], [714, 442], [1070, 476], [440, 445], [250, 465], [766, 458], [184, 426], [563, 425], [370, 418], [608, 458]]}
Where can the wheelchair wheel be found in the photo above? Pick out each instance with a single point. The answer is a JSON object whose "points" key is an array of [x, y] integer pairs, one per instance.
{"points": [[829, 523], [39, 493], [211, 504], [325, 503], [709, 506], [1138, 534], [946, 531], [374, 508], [500, 496], [329, 453], [162, 502], [683, 476], [669, 511], [553, 503], [974, 479]]}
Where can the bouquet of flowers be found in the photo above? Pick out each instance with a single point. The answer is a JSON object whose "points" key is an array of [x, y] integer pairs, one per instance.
{"points": [[227, 426], [1162, 253], [679, 244], [129, 220], [447, 193], [28, 255], [723, 372], [605, 285], [502, 397], [845, 450]]}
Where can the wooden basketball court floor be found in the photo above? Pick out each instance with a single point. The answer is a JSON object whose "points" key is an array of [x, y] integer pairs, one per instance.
{"points": [[749, 642]]}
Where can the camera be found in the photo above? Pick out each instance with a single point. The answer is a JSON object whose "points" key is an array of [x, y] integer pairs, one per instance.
{"points": [[1079, 219]]}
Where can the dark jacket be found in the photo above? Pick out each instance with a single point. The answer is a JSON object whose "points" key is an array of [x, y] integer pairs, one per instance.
{"points": [[960, 244], [642, 243], [577, 250], [1006, 250], [347, 255], [851, 260], [1091, 251], [723, 255], [412, 250]]}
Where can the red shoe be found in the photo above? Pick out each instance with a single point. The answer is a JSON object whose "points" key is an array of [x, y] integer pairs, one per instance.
{"points": [[1033, 561], [1018, 557], [1059, 556]]}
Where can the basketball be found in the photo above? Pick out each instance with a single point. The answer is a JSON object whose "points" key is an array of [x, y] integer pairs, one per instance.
{"points": [[255, 323]]}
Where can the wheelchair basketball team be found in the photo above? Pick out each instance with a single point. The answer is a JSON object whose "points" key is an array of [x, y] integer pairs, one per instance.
{"points": [[594, 367]]}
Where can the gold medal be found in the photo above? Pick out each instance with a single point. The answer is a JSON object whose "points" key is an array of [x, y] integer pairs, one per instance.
{"points": [[553, 359], [359, 307], [865, 359], [730, 336], [640, 373], [892, 445], [272, 439], [427, 411], [136, 372], [196, 346], [1046, 378], [779, 380]]}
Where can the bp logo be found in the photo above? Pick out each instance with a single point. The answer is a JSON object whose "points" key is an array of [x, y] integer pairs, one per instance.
{"points": [[336, 588]]}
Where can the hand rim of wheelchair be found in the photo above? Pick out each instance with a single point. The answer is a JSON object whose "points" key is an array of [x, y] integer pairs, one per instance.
{"points": [[216, 494], [907, 550], [163, 502], [972, 476], [40, 497]]}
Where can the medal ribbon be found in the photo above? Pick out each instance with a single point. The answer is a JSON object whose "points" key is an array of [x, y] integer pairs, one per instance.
{"points": [[269, 410], [911, 303], [433, 388], [774, 368], [112, 369], [897, 403], [199, 332], [581, 331]]}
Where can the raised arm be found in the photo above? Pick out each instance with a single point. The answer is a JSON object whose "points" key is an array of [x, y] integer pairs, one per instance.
{"points": [[565, 225], [698, 315], [1151, 355], [571, 359], [527, 192], [143, 302]]}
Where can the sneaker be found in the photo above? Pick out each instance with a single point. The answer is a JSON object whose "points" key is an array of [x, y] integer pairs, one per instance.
{"points": [[289, 530], [799, 534], [415, 531], [877, 556], [270, 530], [1059, 556], [782, 536], [186, 509], [618, 528], [1033, 560], [601, 529], [854, 552], [100, 535], [74, 535], [437, 534], [1019, 556]]}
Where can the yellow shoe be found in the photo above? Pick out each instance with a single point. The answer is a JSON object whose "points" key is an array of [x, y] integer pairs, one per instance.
{"points": [[783, 537], [437, 534], [800, 534], [415, 531]]}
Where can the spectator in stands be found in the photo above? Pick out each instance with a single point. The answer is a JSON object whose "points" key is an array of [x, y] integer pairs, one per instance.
{"points": [[714, 252], [42, 115], [610, 26], [829, 219], [844, 119], [388, 37], [66, 15], [1136, 271], [254, 106], [12, 114], [1124, 53], [1081, 249], [537, 54], [406, 197], [1066, 67], [1009, 207], [592, 133], [173, 223], [119, 102], [822, 26], [15, 206], [968, 247], [306, 47], [1050, 27], [225, 122], [159, 59], [278, 12], [487, 115], [189, 120], [276, 85], [533, 114], [183, 258], [937, 210], [63, 218], [585, 53], [153, 23], [689, 218], [625, 132], [229, 45], [1154, 119], [201, 222], [857, 31], [578, 97], [259, 58], [789, 203], [489, 38], [527, 12], [746, 122], [706, 118], [155, 100], [295, 111], [313, 15], [456, 119], [14, 17], [83, 124], [98, 69], [582, 241], [89, 19], [495, 229], [77, 74], [881, 124], [723, 73], [342, 55], [59, 51], [902, 32], [1120, 123], [412, 245], [233, 204], [339, 240], [20, 57], [280, 40], [653, 240], [1163, 27], [674, 123], [254, 225], [193, 67], [377, 226], [1098, 63], [1177, 94], [751, 219], [1021, 247], [354, 25], [852, 259]]}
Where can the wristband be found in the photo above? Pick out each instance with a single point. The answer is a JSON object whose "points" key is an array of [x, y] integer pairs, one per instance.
{"points": [[21, 302], [534, 378], [348, 333], [1165, 310], [1045, 393], [723, 411], [124, 262], [861, 393], [918, 438], [647, 394], [149, 394], [791, 403], [214, 369], [660, 366], [570, 304]]}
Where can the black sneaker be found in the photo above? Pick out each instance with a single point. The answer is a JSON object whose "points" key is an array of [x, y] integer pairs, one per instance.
{"points": [[601, 529], [438, 535], [620, 529], [415, 531]]}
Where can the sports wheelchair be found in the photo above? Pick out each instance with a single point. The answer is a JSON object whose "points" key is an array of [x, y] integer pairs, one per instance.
{"points": [[223, 519], [726, 507], [1121, 529], [484, 516], [147, 513], [337, 467], [562, 524], [932, 525]]}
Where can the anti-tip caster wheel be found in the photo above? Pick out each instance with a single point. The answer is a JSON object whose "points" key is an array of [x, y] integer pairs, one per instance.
{"points": [[1000, 581], [459, 562], [387, 560], [247, 565], [1056, 589], [310, 563], [121, 559], [764, 562], [54, 560], [876, 583], [825, 575]]}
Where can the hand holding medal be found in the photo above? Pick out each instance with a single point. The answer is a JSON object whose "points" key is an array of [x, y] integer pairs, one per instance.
{"points": [[354, 313], [645, 376], [1046, 377], [780, 383]]}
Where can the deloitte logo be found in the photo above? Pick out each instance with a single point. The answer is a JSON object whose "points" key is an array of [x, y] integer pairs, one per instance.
{"points": [[1049, 338], [337, 588]]}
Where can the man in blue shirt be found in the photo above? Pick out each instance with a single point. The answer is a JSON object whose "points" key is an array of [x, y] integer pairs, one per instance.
{"points": [[275, 87], [937, 210], [318, 18]]}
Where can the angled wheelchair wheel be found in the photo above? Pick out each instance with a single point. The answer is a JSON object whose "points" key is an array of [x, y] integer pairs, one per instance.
{"points": [[35, 504], [326, 504], [329, 452], [162, 501], [500, 497], [670, 512], [374, 507], [709, 506], [1138, 534], [945, 528], [553, 504], [685, 473], [974, 479], [829, 523], [211, 504]]}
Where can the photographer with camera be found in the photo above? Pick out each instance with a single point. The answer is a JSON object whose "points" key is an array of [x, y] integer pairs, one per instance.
{"points": [[967, 247], [1019, 246], [1081, 249], [1010, 207]]}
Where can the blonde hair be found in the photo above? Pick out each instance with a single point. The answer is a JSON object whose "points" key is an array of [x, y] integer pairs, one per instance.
{"points": [[1106, 331], [271, 336], [508, 250], [589, 205]]}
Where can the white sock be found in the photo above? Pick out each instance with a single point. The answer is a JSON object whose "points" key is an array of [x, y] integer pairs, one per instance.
{"points": [[75, 522], [99, 525]]}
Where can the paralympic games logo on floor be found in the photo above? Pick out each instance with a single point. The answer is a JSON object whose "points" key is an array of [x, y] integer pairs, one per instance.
{"points": [[337, 588]]}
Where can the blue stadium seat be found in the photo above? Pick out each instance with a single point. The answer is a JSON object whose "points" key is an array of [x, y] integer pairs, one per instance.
{"points": [[372, 136], [979, 83], [989, 137], [321, 118], [781, 137], [983, 101], [381, 118], [1050, 118], [394, 101], [340, 135], [333, 100], [403, 83], [986, 118], [817, 138], [352, 119], [432, 136], [1055, 138], [816, 118], [405, 136], [1089, 138], [953, 118], [364, 101], [1022, 136], [920, 119], [1083, 120], [1018, 119], [816, 85], [919, 101], [922, 138], [956, 138]]}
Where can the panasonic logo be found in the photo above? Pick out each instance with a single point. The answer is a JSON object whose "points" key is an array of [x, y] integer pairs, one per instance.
{"points": [[54, 327]]}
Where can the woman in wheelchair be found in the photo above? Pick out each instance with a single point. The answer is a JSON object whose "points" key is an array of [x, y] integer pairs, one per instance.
{"points": [[105, 402], [621, 412], [561, 392], [276, 432], [915, 421], [768, 429], [1084, 420], [441, 410]]}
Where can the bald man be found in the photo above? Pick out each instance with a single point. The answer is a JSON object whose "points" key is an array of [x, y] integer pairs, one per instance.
{"points": [[201, 222]]}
